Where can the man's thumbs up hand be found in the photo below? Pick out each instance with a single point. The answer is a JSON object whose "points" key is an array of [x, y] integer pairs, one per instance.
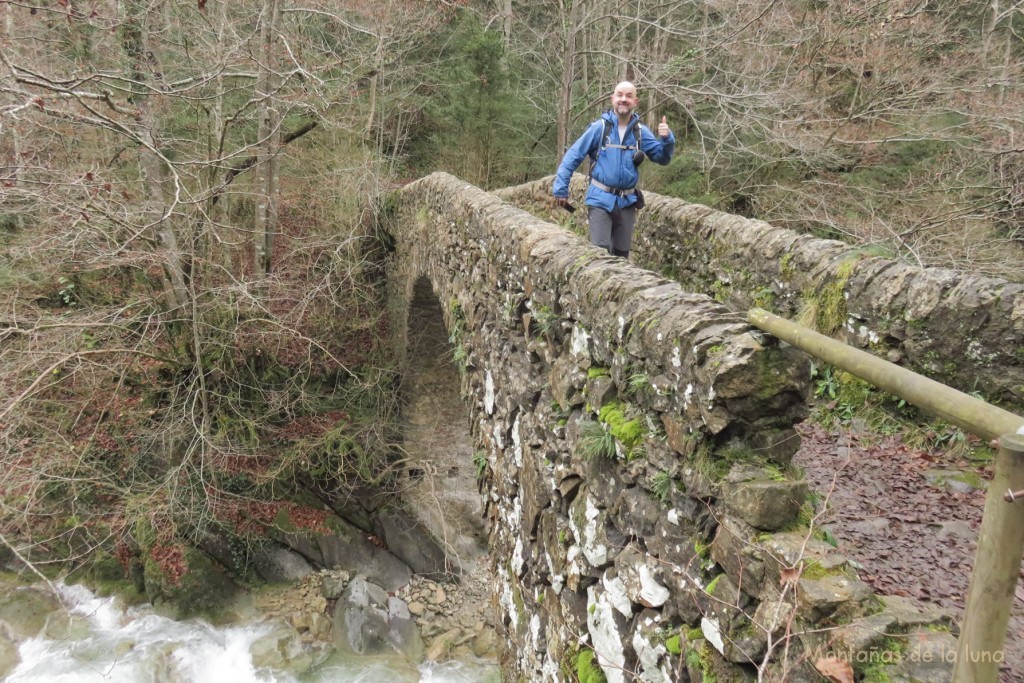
{"points": [[663, 130]]}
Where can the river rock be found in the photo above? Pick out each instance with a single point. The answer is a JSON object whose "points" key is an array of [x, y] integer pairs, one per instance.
{"points": [[276, 564], [344, 546], [412, 542], [26, 611], [442, 645], [281, 649], [332, 583], [320, 626], [485, 643], [368, 622], [9, 657], [438, 598], [203, 590]]}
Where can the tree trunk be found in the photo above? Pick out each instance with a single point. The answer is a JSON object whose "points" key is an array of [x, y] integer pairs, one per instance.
{"points": [[157, 213], [506, 25], [215, 150], [568, 75], [375, 85], [269, 143], [13, 171]]}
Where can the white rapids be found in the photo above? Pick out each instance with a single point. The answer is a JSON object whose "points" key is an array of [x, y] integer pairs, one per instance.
{"points": [[110, 644]]}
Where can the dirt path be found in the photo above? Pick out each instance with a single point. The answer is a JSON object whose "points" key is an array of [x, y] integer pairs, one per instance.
{"points": [[912, 538]]}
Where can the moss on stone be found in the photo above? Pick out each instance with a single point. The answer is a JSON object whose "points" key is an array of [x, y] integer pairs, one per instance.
{"points": [[764, 298], [786, 270], [773, 375], [521, 612], [627, 432], [706, 664], [719, 291], [813, 569], [876, 669], [283, 522], [587, 669], [201, 591], [105, 575], [831, 312]]}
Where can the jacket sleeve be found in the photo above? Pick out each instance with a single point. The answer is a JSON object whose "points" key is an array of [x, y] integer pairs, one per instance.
{"points": [[657, 150], [574, 156]]}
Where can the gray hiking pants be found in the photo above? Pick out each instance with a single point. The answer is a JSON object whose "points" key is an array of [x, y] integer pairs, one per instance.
{"points": [[612, 231]]}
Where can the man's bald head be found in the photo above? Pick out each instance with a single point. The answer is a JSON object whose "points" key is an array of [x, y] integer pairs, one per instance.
{"points": [[625, 85], [624, 101]]}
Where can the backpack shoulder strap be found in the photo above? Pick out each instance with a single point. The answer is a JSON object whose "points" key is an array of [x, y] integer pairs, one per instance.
{"points": [[603, 141], [606, 140], [636, 133]]}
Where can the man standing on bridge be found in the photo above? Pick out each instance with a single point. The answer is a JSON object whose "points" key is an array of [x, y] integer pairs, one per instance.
{"points": [[616, 143]]}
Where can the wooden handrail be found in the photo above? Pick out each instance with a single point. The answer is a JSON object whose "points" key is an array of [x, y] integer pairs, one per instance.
{"points": [[965, 411]]}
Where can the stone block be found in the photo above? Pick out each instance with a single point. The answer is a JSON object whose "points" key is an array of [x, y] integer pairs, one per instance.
{"points": [[641, 577], [863, 635], [929, 657], [837, 596], [597, 540], [636, 512], [766, 504], [785, 550], [910, 614], [736, 550], [778, 445], [608, 622], [679, 435]]}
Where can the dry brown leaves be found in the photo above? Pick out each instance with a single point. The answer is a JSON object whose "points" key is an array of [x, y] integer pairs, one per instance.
{"points": [[910, 538], [835, 670]]}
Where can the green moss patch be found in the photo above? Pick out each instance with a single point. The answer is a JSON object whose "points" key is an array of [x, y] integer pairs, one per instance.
{"points": [[587, 670], [628, 432]]}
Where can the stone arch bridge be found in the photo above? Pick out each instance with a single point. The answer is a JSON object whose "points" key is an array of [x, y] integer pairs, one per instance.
{"points": [[631, 440]]}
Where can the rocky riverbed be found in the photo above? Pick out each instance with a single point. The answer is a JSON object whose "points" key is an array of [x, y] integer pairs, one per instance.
{"points": [[315, 629], [455, 618]]}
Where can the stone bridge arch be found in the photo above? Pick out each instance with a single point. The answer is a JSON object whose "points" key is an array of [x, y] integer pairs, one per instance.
{"points": [[632, 441], [439, 479]]}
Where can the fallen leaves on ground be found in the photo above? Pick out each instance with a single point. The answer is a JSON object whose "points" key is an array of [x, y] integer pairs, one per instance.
{"points": [[909, 538], [835, 670]]}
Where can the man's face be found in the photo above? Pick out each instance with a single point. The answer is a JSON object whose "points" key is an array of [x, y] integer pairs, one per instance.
{"points": [[624, 99]]}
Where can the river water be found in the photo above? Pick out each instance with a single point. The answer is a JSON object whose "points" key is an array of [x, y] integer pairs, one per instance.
{"points": [[135, 645]]}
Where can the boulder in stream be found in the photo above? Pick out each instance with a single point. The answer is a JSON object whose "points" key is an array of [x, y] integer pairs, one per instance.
{"points": [[369, 622]]}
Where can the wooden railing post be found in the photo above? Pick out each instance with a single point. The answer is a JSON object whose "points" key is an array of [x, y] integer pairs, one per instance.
{"points": [[996, 566]]}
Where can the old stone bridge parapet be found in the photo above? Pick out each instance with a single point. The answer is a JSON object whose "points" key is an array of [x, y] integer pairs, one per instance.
{"points": [[963, 330], [633, 447]]}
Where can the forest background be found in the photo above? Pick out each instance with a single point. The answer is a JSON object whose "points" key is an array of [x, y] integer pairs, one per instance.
{"points": [[191, 323]]}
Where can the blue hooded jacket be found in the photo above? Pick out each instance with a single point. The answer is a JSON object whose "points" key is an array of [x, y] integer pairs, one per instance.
{"points": [[614, 167]]}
